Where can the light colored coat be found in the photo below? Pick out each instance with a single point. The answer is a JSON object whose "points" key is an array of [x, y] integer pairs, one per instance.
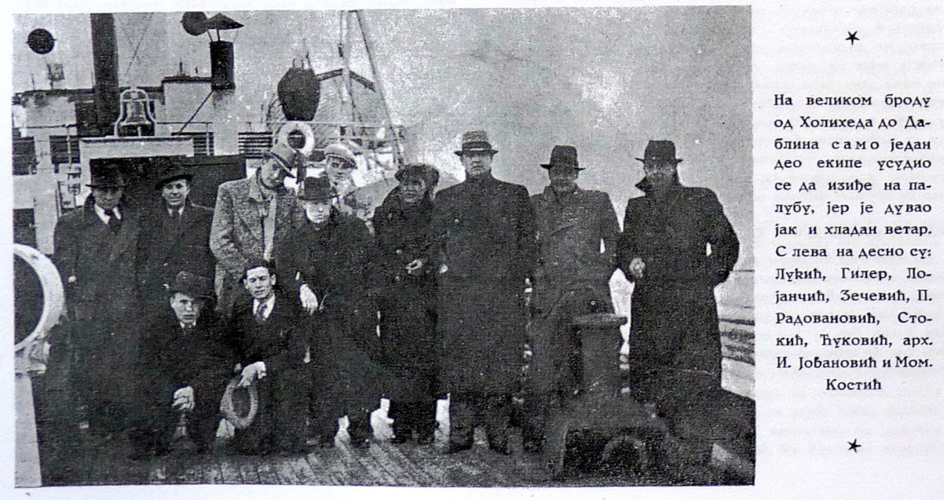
{"points": [[236, 235]]}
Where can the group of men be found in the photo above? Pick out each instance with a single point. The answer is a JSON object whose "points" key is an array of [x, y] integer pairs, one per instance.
{"points": [[323, 314]]}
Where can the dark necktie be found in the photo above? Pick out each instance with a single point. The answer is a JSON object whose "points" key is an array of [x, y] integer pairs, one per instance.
{"points": [[113, 221], [260, 313], [175, 214]]}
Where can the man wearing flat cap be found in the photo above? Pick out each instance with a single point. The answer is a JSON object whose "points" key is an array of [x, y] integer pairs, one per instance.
{"points": [[677, 245], [251, 217], [185, 364], [95, 252], [483, 229], [577, 231], [176, 235]]}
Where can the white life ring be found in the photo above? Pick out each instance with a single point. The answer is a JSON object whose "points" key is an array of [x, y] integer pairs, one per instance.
{"points": [[228, 406], [305, 129], [54, 298]]}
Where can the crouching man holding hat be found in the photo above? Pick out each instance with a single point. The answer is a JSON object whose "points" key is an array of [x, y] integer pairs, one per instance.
{"points": [[251, 217], [677, 245], [271, 347], [185, 364]]}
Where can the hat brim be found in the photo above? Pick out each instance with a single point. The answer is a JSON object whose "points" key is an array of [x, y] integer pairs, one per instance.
{"points": [[106, 185], [676, 160], [282, 163], [549, 166], [160, 184], [461, 152]]}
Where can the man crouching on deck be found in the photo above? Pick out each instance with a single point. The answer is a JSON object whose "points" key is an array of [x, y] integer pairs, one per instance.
{"points": [[185, 365], [272, 352]]}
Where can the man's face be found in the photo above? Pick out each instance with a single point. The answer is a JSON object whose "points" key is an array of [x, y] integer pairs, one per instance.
{"points": [[271, 173], [175, 192], [107, 197], [477, 163], [259, 283], [339, 170], [563, 179], [412, 190], [186, 308], [317, 211], [660, 173]]}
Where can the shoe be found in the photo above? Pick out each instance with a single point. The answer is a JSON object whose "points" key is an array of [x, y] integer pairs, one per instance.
{"points": [[454, 447], [425, 438], [360, 444], [400, 438]]}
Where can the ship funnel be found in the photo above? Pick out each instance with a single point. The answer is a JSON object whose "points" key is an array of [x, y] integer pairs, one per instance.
{"points": [[105, 58]]}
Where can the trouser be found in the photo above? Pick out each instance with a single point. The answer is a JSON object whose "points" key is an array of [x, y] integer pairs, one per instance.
{"points": [[536, 414], [466, 411], [154, 430], [280, 420], [688, 401], [324, 415], [409, 416]]}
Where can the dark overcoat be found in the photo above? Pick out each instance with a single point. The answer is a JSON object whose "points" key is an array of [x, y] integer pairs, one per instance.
{"points": [[333, 261], [169, 246], [407, 302], [483, 229], [674, 314], [101, 301], [201, 358], [571, 278], [280, 342]]}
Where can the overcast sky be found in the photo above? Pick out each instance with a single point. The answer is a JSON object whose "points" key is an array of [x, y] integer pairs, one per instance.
{"points": [[604, 80]]}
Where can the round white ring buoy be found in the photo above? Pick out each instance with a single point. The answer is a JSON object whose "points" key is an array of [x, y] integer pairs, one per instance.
{"points": [[228, 409], [54, 298], [305, 129]]}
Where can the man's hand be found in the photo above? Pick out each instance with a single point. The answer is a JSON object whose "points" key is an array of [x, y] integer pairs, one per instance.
{"points": [[308, 298], [252, 373], [637, 267], [415, 267], [184, 399]]}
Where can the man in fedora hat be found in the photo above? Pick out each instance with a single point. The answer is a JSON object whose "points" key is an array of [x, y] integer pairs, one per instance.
{"points": [[176, 235], [483, 230], [571, 278], [677, 245], [327, 259], [251, 217], [185, 364], [95, 252]]}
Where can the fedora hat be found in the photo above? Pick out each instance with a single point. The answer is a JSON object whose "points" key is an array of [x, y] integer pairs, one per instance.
{"points": [[424, 171], [107, 178], [476, 141], [239, 404], [286, 155], [171, 172], [195, 286], [660, 151], [316, 189], [563, 156]]}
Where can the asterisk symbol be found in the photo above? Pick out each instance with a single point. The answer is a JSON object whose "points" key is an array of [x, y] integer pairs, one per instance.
{"points": [[854, 445], [852, 37]]}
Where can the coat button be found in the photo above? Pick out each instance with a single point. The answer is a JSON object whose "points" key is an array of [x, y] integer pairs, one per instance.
{"points": [[456, 221], [399, 252]]}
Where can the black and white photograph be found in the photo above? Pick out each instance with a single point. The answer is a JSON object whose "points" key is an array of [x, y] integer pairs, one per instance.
{"points": [[497, 247]]}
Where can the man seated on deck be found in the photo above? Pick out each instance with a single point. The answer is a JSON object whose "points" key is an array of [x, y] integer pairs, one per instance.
{"points": [[272, 351], [185, 364]]}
